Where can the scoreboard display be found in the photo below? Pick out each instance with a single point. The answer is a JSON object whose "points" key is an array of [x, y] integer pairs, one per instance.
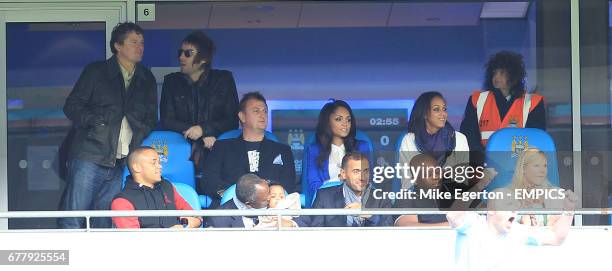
{"points": [[383, 121]]}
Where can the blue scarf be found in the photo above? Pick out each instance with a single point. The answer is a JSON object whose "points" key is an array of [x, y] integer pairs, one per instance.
{"points": [[438, 145], [350, 197]]}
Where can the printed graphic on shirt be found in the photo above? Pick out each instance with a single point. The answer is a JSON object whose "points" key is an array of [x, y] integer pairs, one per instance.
{"points": [[253, 160]]}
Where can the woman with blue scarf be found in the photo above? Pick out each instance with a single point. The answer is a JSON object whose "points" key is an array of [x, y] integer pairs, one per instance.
{"points": [[429, 132]]}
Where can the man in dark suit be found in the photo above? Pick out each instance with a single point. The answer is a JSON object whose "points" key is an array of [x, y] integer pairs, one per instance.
{"points": [[250, 153], [252, 192], [355, 192]]}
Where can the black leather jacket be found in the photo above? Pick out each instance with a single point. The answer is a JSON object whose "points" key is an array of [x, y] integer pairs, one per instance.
{"points": [[97, 104], [216, 99], [211, 102]]}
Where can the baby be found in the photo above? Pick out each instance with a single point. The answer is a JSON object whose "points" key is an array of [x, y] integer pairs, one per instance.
{"points": [[277, 194], [279, 200]]}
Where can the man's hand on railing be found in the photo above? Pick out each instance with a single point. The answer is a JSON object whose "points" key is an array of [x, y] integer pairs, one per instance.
{"points": [[192, 222], [357, 205], [285, 223]]}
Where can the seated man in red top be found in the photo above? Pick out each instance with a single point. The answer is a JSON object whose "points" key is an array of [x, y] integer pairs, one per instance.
{"points": [[146, 190]]}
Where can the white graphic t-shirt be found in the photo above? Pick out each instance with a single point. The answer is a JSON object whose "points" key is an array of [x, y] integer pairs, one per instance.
{"points": [[253, 155]]}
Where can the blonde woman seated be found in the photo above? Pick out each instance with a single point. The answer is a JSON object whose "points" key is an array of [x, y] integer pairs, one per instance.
{"points": [[531, 174]]}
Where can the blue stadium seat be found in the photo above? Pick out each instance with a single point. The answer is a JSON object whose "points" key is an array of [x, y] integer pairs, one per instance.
{"points": [[310, 140], [189, 195], [174, 152], [205, 201], [236, 133], [229, 194], [610, 205], [501, 154]]}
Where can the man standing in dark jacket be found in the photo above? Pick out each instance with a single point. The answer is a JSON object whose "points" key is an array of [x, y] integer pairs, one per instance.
{"points": [[199, 102], [113, 107]]}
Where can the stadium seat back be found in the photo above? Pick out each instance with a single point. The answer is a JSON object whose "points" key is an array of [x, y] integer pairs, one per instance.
{"points": [[504, 147], [236, 133], [174, 152], [229, 194], [188, 194]]}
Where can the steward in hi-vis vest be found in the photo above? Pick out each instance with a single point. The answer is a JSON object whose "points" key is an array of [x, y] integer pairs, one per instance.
{"points": [[505, 103], [489, 117]]}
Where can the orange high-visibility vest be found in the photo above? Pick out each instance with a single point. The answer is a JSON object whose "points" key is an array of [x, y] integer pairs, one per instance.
{"points": [[488, 113]]}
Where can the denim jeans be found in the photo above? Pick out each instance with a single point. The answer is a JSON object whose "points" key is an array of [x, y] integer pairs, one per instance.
{"points": [[90, 187]]}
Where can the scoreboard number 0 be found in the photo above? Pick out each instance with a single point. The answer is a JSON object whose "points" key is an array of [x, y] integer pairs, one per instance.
{"points": [[384, 140]]}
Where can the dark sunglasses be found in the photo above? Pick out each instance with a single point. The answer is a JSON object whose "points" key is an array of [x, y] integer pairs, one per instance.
{"points": [[187, 53]]}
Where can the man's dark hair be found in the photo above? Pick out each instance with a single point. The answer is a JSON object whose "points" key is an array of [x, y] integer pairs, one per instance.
{"points": [[134, 155], [355, 156], [204, 45], [513, 64], [422, 158], [246, 188], [251, 96], [120, 33]]}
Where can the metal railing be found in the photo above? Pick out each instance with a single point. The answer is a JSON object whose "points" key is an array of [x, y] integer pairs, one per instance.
{"points": [[260, 212]]}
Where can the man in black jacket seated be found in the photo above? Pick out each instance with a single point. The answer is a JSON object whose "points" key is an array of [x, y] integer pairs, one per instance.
{"points": [[113, 107], [250, 153], [199, 102], [356, 192]]}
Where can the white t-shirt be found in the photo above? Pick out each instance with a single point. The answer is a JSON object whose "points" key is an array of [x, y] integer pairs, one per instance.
{"points": [[479, 248], [335, 160]]}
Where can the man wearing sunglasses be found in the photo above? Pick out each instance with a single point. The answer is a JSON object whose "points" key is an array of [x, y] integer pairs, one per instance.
{"points": [[199, 102], [113, 107]]}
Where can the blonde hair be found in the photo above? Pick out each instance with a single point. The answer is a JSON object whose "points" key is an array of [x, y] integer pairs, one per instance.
{"points": [[527, 157]]}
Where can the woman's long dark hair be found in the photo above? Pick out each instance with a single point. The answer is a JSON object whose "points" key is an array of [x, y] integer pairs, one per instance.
{"points": [[416, 125], [513, 64], [324, 132], [421, 108]]}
